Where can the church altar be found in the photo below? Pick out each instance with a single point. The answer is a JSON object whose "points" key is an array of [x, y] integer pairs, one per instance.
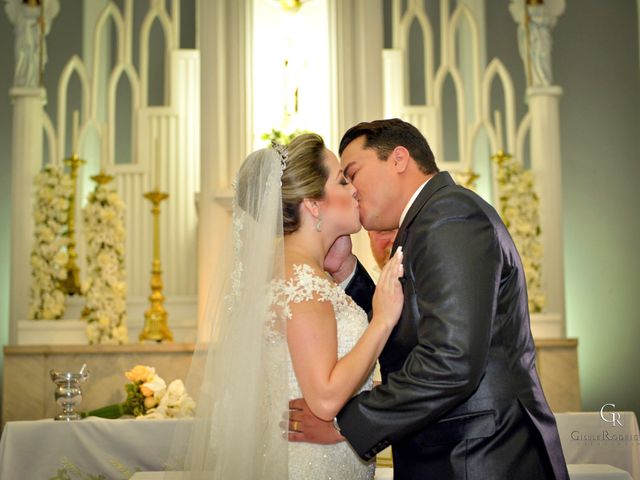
{"points": [[72, 329], [28, 391]]}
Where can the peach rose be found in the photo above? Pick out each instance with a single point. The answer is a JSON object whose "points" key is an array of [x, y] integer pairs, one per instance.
{"points": [[146, 391], [149, 402], [141, 373], [154, 387]]}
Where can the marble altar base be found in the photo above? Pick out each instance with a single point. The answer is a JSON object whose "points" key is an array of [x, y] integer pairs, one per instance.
{"points": [[28, 390]]}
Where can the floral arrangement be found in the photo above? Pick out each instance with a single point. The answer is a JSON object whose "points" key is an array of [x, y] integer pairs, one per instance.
{"points": [[105, 288], [49, 255], [519, 211], [149, 397]]}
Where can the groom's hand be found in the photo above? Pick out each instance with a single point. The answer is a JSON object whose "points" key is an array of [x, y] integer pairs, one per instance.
{"points": [[340, 261], [304, 426]]}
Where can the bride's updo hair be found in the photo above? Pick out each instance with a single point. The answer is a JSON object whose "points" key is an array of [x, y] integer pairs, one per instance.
{"points": [[304, 177]]}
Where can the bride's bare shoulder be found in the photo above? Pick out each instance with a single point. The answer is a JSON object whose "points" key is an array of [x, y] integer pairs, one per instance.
{"points": [[296, 265]]}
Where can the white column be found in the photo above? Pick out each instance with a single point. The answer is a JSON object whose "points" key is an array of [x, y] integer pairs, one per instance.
{"points": [[535, 44], [185, 85], [546, 167], [26, 159]]}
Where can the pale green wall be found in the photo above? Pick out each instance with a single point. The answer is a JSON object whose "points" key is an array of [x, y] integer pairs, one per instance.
{"points": [[598, 49], [595, 61]]}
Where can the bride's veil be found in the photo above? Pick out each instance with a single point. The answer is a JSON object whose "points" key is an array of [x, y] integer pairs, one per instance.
{"points": [[241, 370]]}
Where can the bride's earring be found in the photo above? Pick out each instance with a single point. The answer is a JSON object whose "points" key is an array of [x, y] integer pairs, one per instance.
{"points": [[319, 224]]}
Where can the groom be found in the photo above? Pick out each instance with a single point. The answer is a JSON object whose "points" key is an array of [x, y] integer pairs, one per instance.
{"points": [[460, 396]]}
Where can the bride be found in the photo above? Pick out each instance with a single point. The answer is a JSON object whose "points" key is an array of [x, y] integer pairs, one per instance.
{"points": [[282, 327]]}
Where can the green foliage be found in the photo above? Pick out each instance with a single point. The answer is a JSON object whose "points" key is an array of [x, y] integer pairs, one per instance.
{"points": [[281, 137], [110, 411], [134, 404]]}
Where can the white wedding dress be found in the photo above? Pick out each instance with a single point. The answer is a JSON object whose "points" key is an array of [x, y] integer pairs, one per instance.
{"points": [[310, 461]]}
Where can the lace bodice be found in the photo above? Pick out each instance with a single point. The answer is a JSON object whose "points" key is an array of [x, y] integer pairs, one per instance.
{"points": [[306, 460]]}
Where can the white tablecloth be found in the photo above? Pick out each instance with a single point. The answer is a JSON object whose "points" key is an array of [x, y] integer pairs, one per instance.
{"points": [[35, 450], [587, 438], [117, 448]]}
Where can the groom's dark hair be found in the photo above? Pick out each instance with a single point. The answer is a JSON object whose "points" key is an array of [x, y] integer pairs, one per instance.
{"points": [[385, 135]]}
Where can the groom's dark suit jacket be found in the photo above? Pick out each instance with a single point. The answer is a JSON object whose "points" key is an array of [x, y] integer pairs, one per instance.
{"points": [[460, 398]]}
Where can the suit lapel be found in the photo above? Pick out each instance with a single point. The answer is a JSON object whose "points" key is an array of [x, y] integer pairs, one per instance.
{"points": [[438, 181]]}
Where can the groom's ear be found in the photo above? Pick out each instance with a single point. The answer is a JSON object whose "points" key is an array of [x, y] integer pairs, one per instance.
{"points": [[400, 158]]}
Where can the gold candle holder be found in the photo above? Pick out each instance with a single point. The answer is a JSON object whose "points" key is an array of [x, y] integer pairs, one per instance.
{"points": [[71, 284], [500, 156], [155, 318], [469, 178], [102, 178]]}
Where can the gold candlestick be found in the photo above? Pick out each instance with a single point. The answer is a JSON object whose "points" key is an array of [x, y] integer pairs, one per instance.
{"points": [[500, 156], [468, 178], [102, 178], [71, 284], [155, 318]]}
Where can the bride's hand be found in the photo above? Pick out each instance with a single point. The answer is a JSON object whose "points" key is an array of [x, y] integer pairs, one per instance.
{"points": [[389, 297]]}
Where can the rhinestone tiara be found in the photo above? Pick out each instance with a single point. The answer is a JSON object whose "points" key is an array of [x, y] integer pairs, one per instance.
{"points": [[282, 151]]}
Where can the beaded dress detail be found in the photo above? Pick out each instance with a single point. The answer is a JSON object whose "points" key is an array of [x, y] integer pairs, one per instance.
{"points": [[309, 461]]}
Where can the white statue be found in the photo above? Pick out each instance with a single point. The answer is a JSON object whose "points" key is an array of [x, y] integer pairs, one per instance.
{"points": [[536, 49], [32, 21]]}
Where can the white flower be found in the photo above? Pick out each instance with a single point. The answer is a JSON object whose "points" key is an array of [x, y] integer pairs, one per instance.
{"points": [[103, 322], [120, 332], [152, 414], [519, 210], [61, 257], [174, 403], [48, 256], [156, 387], [106, 287]]}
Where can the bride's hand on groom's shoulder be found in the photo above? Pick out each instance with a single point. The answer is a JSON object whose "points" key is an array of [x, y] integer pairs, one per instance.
{"points": [[304, 426], [340, 261]]}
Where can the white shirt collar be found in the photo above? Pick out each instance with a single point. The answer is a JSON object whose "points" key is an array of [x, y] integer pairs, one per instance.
{"points": [[411, 200]]}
